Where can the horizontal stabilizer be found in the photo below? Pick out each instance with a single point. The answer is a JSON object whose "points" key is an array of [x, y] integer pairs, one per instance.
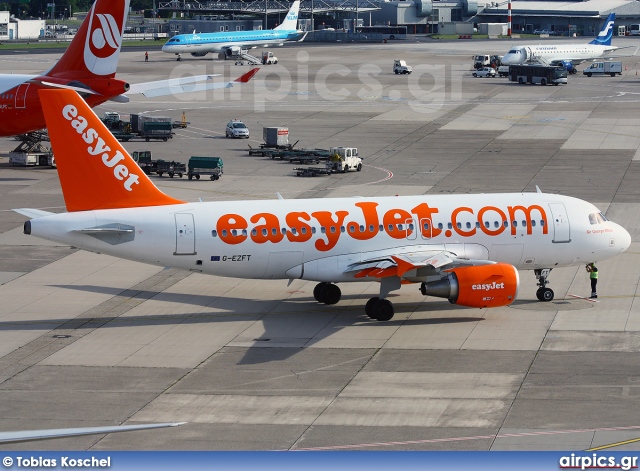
{"points": [[196, 83], [32, 213], [31, 435], [70, 87]]}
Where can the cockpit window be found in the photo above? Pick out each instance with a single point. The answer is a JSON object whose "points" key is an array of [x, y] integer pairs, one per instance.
{"points": [[602, 217], [174, 40], [597, 218], [512, 51]]}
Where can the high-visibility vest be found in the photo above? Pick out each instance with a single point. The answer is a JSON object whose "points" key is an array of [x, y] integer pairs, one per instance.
{"points": [[594, 274]]}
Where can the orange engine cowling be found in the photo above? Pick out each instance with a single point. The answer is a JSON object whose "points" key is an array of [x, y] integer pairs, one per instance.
{"points": [[480, 286]]}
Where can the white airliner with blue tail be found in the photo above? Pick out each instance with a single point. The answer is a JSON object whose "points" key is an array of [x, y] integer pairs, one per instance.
{"points": [[230, 43], [567, 55]]}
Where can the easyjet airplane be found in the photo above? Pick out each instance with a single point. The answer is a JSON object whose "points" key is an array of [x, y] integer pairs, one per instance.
{"points": [[89, 67], [465, 248]]}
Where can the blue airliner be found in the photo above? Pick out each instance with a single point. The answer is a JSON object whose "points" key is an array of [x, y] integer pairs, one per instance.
{"points": [[230, 43]]}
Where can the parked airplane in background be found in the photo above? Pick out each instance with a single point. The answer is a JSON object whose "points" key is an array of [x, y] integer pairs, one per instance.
{"points": [[89, 67], [465, 248], [47, 434], [566, 54], [230, 43]]}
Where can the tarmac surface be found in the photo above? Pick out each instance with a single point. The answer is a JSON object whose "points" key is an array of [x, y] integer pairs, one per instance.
{"points": [[90, 340]]}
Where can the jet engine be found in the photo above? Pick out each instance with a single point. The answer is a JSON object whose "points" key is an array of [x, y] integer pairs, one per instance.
{"points": [[568, 65], [199, 54], [232, 51], [478, 286]]}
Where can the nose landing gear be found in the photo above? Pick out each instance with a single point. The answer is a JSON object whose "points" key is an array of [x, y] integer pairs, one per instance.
{"points": [[543, 294]]}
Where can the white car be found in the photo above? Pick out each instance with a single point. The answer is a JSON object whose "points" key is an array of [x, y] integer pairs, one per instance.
{"points": [[237, 129], [485, 72]]}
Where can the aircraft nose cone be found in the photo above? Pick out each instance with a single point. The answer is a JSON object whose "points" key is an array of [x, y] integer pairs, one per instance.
{"points": [[625, 239]]}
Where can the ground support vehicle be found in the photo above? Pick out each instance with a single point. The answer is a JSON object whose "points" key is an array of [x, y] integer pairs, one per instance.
{"points": [[304, 159], [533, 73], [503, 71], [145, 161], [268, 58], [171, 168], [151, 127], [603, 68], [344, 159], [312, 171], [121, 130], [401, 67], [485, 72], [212, 166]]}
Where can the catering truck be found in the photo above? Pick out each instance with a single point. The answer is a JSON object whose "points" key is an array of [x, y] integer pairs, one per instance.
{"points": [[603, 68]]}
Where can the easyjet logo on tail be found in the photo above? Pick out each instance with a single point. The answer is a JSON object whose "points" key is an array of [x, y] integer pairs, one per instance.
{"points": [[98, 147], [104, 38]]}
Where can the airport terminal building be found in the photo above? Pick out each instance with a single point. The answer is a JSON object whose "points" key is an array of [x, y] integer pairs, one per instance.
{"points": [[581, 17]]}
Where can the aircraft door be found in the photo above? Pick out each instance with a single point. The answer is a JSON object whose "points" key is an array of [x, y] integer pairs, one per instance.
{"points": [[426, 228], [561, 226], [412, 229], [21, 95], [185, 235]]}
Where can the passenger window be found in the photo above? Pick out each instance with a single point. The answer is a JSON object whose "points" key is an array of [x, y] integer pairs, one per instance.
{"points": [[410, 227], [313, 230], [224, 233], [533, 224], [459, 225], [390, 227], [542, 222], [381, 228], [449, 225], [468, 225], [439, 225], [274, 231], [361, 228], [333, 229], [264, 232], [303, 230], [254, 232], [496, 224], [284, 230], [524, 223], [426, 226], [515, 223], [323, 230], [342, 229], [486, 224], [234, 232], [214, 233], [477, 225], [293, 230], [371, 228]]}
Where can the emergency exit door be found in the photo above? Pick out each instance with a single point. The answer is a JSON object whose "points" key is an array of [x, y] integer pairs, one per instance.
{"points": [[21, 95], [561, 226], [185, 235]]}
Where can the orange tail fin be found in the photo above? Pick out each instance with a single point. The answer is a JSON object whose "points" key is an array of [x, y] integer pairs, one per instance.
{"points": [[95, 171], [96, 46]]}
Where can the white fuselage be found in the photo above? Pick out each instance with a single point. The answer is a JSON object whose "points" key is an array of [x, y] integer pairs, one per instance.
{"points": [[555, 53], [318, 239]]}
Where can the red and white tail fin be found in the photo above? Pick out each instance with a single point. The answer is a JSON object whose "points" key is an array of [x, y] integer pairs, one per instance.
{"points": [[95, 171], [96, 46]]}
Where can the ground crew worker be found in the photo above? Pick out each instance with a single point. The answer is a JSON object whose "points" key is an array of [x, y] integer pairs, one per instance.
{"points": [[146, 57], [593, 275]]}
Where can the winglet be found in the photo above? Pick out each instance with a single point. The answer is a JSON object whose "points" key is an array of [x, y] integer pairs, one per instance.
{"points": [[248, 76], [95, 171]]}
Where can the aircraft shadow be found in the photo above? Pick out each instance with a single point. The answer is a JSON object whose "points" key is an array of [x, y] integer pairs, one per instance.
{"points": [[251, 311]]}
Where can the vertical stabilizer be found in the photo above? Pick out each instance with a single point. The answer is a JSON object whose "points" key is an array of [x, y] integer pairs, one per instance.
{"points": [[606, 33], [95, 171], [290, 23], [95, 48]]}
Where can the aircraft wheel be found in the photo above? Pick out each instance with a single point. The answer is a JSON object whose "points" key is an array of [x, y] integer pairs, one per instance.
{"points": [[368, 308], [317, 291], [359, 167], [383, 310], [330, 294], [545, 294]]}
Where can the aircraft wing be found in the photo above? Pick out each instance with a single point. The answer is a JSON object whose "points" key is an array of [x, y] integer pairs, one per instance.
{"points": [[32, 435], [401, 264], [196, 83]]}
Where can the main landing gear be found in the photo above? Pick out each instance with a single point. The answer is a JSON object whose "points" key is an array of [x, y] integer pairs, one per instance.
{"points": [[378, 308], [543, 293]]}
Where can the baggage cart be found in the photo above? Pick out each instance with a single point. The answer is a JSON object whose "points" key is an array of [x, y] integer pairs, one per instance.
{"points": [[212, 166]]}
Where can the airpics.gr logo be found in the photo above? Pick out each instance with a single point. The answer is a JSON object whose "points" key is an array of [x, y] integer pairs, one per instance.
{"points": [[487, 287], [104, 39]]}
